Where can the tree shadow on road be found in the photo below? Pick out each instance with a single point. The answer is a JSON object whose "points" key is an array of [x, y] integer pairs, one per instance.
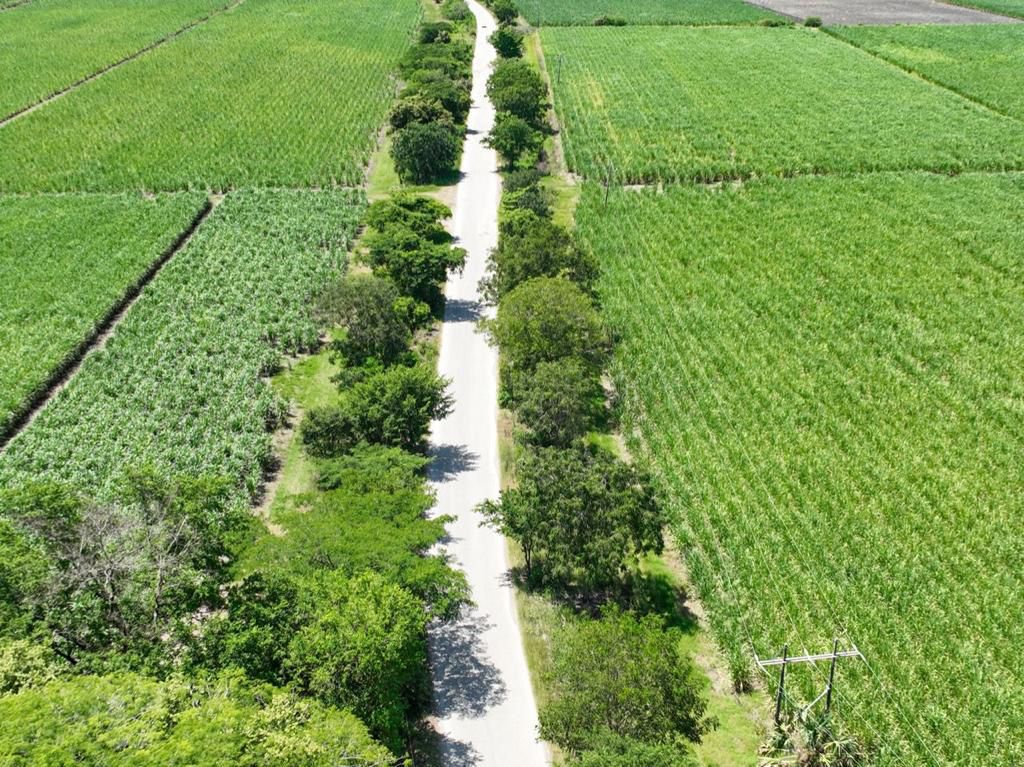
{"points": [[448, 461], [466, 682]]}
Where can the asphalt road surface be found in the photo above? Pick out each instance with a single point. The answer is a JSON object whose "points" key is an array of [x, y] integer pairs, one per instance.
{"points": [[882, 12], [484, 710]]}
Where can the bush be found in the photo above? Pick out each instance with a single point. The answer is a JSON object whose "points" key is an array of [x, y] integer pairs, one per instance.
{"points": [[543, 320], [508, 42], [424, 152], [812, 21], [516, 180], [393, 407], [535, 199], [504, 10], [422, 215], [531, 246], [435, 32], [417, 109], [561, 402], [363, 306], [453, 59], [622, 677], [611, 751], [373, 469], [418, 266], [512, 137], [25, 664], [516, 88], [609, 21], [451, 93], [455, 10]]}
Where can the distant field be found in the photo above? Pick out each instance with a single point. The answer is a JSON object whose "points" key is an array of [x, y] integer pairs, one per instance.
{"points": [[983, 62], [274, 93], [675, 103], [64, 263], [178, 385], [827, 377], [571, 12], [49, 44], [1005, 7]]}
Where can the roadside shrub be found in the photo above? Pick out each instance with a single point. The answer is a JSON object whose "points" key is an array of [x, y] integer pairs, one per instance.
{"points": [[364, 307], [610, 751], [417, 109], [512, 137], [451, 93], [621, 677], [508, 42], [812, 21], [504, 10], [531, 246], [561, 402], [533, 198], [582, 517], [424, 152], [421, 214], [774, 23], [452, 58], [517, 179], [373, 469], [435, 32], [543, 320], [455, 10], [516, 88], [609, 21], [418, 266], [392, 407]]}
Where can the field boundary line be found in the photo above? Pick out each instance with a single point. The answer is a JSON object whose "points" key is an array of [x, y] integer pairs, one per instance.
{"points": [[96, 338], [115, 65], [923, 77], [12, 6]]}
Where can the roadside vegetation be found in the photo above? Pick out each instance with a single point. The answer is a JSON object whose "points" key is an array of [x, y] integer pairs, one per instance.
{"points": [[689, 12]]}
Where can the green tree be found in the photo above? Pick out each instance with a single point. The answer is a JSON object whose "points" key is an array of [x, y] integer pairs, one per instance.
{"points": [[417, 109], [508, 42], [27, 663], [512, 137], [622, 677], [531, 246], [406, 210], [516, 88], [452, 92], [561, 403], [545, 319], [364, 307], [582, 516], [504, 10], [609, 751], [24, 572], [365, 649], [424, 152], [392, 407]]}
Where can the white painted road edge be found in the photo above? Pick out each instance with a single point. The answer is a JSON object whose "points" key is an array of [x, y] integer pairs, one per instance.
{"points": [[484, 709]]}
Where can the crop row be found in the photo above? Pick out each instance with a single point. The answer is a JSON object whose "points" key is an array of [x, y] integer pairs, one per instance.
{"points": [[725, 102], [65, 264], [582, 12], [49, 45], [273, 93], [179, 385], [825, 376]]}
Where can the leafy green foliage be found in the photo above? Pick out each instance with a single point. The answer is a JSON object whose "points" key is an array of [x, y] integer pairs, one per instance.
{"points": [[24, 571], [262, 108], [82, 38], [512, 137], [516, 87], [582, 516], [691, 12], [364, 308], [65, 262], [178, 386], [561, 402], [126, 719], [455, 10], [823, 376], [423, 152], [451, 93], [804, 103], [980, 61], [392, 407], [504, 10], [623, 677], [417, 109], [508, 42], [435, 32], [25, 663], [546, 319]]}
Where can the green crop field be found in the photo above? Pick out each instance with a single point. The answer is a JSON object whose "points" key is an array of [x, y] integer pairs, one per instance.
{"points": [[49, 44], [1005, 7], [983, 62], [283, 93], [581, 12], [675, 103], [64, 263], [826, 375], [179, 384]]}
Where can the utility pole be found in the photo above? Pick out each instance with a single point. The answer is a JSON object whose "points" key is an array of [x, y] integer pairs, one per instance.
{"points": [[786, 659]]}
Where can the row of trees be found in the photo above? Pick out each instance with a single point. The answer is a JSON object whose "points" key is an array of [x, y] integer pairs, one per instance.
{"points": [[428, 121], [619, 692]]}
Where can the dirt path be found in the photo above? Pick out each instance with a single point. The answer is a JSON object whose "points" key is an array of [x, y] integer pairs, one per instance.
{"points": [[483, 702]]}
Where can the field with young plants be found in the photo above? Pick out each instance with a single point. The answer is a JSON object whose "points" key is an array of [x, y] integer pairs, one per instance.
{"points": [[982, 62], [65, 262], [49, 44], [179, 385], [584, 12], [826, 376], [1005, 7], [679, 103], [273, 93]]}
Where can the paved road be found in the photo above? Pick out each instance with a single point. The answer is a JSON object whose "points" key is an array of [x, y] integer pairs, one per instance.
{"points": [[882, 12], [483, 702]]}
